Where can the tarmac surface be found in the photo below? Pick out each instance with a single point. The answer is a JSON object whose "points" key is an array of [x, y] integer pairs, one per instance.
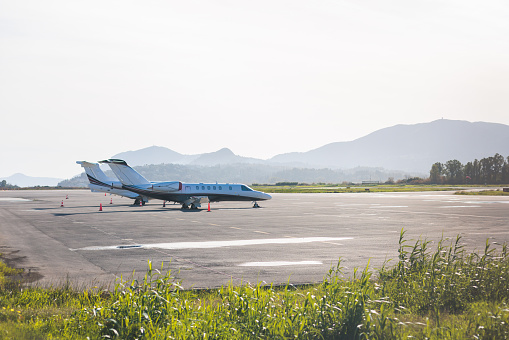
{"points": [[293, 238]]}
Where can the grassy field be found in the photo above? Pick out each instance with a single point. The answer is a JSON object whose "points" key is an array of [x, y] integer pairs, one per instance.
{"points": [[438, 292], [352, 188], [484, 192]]}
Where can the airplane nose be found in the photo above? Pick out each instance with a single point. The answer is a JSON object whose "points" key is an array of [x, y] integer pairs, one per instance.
{"points": [[266, 196]]}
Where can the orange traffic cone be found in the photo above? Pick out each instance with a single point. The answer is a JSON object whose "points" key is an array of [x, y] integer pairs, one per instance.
{"points": [[101, 207], [208, 208], [111, 200], [164, 204], [141, 203], [104, 194], [62, 204]]}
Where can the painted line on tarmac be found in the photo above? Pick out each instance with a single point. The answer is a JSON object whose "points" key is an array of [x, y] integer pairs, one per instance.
{"points": [[279, 263], [219, 244], [14, 199], [459, 206], [390, 206]]}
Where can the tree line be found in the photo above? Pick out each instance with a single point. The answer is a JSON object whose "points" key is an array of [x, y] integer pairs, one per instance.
{"points": [[5, 185], [489, 170]]}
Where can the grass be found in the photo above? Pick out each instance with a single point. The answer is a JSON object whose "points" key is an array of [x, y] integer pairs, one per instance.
{"points": [[6, 274], [351, 189], [440, 293], [497, 192]]}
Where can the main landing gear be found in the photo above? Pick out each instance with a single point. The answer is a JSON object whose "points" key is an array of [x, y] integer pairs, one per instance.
{"points": [[137, 202], [192, 206]]}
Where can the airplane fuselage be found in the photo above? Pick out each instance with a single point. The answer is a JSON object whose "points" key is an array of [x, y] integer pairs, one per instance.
{"points": [[190, 192]]}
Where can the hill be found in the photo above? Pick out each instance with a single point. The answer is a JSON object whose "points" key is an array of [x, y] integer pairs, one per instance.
{"points": [[223, 156], [160, 155], [409, 147], [23, 181], [154, 155], [407, 150]]}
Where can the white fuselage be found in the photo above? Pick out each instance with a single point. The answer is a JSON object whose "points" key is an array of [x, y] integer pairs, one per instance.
{"points": [[194, 192]]}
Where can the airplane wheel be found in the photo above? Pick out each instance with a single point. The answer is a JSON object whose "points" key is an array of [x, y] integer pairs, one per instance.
{"points": [[255, 205], [193, 207], [136, 202]]}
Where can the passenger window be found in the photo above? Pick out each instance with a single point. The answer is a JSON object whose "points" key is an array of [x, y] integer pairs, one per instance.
{"points": [[230, 188], [220, 188], [214, 187], [202, 187], [208, 187], [197, 187]]}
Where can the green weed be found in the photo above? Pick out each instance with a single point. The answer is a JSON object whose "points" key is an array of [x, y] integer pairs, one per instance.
{"points": [[439, 293]]}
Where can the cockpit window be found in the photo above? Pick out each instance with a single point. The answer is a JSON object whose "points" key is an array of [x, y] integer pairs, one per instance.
{"points": [[245, 188]]}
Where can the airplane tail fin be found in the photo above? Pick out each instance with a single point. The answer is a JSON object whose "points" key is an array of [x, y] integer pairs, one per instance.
{"points": [[93, 170], [125, 173]]}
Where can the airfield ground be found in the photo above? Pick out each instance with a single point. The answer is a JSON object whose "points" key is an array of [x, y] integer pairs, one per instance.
{"points": [[293, 237]]}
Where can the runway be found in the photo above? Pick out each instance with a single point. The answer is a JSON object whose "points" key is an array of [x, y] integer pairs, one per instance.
{"points": [[292, 238]]}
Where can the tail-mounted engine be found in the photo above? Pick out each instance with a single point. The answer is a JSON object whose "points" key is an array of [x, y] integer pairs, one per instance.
{"points": [[167, 186]]}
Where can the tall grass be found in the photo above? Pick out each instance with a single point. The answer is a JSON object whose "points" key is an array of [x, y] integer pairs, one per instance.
{"points": [[440, 293]]}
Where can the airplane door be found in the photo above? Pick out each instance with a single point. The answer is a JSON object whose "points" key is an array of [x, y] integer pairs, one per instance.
{"points": [[188, 188]]}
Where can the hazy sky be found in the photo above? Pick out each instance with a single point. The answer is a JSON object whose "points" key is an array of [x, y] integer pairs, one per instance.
{"points": [[86, 80]]}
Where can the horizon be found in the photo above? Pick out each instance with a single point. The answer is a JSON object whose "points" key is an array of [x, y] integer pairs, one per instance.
{"points": [[228, 148], [261, 78]]}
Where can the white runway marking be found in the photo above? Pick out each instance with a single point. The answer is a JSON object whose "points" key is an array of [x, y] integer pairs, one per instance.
{"points": [[219, 244], [14, 199], [391, 206], [485, 202], [460, 206], [278, 263]]}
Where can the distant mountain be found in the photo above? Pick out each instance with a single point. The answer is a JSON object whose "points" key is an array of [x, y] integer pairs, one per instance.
{"points": [[159, 155], [27, 181], [154, 155], [409, 147], [223, 156]]}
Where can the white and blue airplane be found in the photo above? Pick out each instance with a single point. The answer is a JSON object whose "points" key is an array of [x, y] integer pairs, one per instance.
{"points": [[190, 195], [99, 182]]}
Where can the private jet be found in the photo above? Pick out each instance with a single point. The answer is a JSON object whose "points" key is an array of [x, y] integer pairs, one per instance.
{"points": [[99, 182], [190, 195]]}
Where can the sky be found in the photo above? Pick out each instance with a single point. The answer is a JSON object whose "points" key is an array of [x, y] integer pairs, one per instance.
{"points": [[84, 80]]}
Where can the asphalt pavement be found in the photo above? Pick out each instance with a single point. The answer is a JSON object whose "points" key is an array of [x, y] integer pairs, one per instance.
{"points": [[292, 238]]}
